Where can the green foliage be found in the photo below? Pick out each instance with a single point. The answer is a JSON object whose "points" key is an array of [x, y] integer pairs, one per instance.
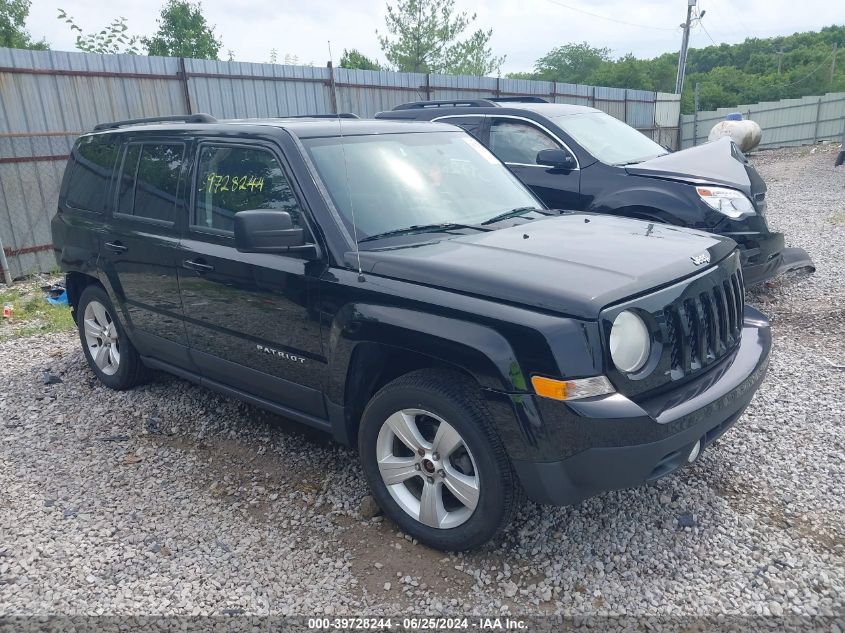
{"points": [[423, 36], [728, 74], [13, 33], [31, 314], [356, 59], [114, 38], [577, 62], [183, 32], [473, 56]]}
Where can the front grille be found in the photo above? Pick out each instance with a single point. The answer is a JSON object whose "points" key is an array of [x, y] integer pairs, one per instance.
{"points": [[703, 328]]}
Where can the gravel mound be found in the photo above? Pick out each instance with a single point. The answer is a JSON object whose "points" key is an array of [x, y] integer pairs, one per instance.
{"points": [[172, 500]]}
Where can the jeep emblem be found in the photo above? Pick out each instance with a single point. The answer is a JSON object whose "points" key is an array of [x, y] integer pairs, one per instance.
{"points": [[698, 260]]}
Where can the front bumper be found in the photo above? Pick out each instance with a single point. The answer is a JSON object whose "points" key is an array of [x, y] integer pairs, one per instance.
{"points": [[631, 443], [765, 257]]}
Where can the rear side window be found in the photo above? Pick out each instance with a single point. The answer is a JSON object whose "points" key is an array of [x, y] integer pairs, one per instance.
{"points": [[471, 124], [233, 179], [89, 174], [149, 181]]}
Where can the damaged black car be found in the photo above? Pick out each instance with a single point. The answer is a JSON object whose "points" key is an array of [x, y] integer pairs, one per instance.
{"points": [[576, 157]]}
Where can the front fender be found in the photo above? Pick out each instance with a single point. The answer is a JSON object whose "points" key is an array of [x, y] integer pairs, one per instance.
{"points": [[479, 350], [663, 202]]}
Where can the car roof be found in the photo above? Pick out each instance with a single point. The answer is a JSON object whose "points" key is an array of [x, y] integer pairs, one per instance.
{"points": [[300, 127], [553, 109], [434, 109]]}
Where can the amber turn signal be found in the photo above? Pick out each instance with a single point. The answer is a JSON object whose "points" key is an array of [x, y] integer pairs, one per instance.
{"points": [[571, 389]]}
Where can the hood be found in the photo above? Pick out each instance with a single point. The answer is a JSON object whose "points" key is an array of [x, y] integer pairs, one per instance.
{"points": [[575, 264], [718, 163]]}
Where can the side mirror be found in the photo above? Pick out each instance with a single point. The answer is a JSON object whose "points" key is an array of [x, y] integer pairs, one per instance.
{"points": [[556, 158], [267, 231]]}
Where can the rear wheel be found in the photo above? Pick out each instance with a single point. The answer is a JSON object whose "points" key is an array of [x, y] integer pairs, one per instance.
{"points": [[434, 464], [108, 350]]}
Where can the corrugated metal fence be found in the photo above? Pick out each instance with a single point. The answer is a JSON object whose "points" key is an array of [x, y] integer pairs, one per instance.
{"points": [[48, 98], [801, 121]]}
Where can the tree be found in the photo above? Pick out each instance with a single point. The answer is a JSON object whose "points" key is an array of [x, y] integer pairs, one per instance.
{"points": [[13, 33], [183, 32], [626, 72], [354, 58], [728, 74], [571, 63], [113, 38], [473, 56], [423, 36]]}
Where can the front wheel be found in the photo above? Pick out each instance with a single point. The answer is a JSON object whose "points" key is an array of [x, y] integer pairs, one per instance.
{"points": [[434, 463]]}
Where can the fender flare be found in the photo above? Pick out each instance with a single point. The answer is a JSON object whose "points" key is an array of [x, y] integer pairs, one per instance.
{"points": [[661, 205], [478, 350]]}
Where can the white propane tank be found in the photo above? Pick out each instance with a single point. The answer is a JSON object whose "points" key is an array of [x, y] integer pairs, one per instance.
{"points": [[744, 132]]}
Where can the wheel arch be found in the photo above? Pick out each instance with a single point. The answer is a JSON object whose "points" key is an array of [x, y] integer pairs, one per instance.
{"points": [[75, 284], [373, 345], [658, 201]]}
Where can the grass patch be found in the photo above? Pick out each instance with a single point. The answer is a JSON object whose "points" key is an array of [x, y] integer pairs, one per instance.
{"points": [[838, 219], [31, 314]]}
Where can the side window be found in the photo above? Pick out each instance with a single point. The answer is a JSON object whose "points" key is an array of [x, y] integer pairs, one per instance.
{"points": [[233, 179], [471, 124], [89, 174], [516, 142], [149, 180]]}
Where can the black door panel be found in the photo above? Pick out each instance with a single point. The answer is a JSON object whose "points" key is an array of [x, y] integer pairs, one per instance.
{"points": [[140, 245], [248, 315]]}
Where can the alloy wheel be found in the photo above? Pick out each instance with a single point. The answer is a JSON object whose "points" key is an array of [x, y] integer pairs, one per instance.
{"points": [[101, 337], [428, 468]]}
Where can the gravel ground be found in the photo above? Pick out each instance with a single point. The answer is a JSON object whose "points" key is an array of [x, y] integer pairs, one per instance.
{"points": [[173, 500]]}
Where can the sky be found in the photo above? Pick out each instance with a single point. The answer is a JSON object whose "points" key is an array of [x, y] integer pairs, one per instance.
{"points": [[523, 30]]}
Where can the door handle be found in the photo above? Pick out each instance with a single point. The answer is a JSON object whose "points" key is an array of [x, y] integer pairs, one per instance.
{"points": [[197, 266], [116, 247]]}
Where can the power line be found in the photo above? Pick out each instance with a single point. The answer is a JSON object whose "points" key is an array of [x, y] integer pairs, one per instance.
{"points": [[707, 32], [609, 19], [811, 73]]}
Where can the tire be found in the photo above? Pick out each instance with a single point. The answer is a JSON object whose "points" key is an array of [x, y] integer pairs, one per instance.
{"points": [[453, 502], [107, 348]]}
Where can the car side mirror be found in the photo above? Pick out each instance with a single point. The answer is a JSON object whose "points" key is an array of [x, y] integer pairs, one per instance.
{"points": [[556, 158], [267, 231]]}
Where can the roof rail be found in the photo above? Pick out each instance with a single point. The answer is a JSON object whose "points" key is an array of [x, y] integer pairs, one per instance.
{"points": [[182, 118], [460, 103], [339, 115], [522, 99]]}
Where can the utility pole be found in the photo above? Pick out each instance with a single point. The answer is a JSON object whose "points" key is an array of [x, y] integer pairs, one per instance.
{"points": [[696, 105], [682, 57], [780, 58], [833, 63]]}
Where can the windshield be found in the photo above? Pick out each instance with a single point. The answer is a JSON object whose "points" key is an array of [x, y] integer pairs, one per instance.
{"points": [[609, 139], [397, 181]]}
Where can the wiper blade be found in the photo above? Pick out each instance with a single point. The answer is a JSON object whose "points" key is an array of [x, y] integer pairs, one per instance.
{"points": [[513, 213], [423, 228]]}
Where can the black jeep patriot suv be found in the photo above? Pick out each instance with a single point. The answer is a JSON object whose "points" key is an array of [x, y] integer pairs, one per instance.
{"points": [[394, 284]]}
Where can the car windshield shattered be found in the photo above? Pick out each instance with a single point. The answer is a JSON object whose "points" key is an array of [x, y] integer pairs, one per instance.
{"points": [[609, 139], [415, 183]]}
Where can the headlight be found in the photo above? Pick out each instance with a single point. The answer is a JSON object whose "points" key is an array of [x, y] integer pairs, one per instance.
{"points": [[630, 342], [729, 202]]}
